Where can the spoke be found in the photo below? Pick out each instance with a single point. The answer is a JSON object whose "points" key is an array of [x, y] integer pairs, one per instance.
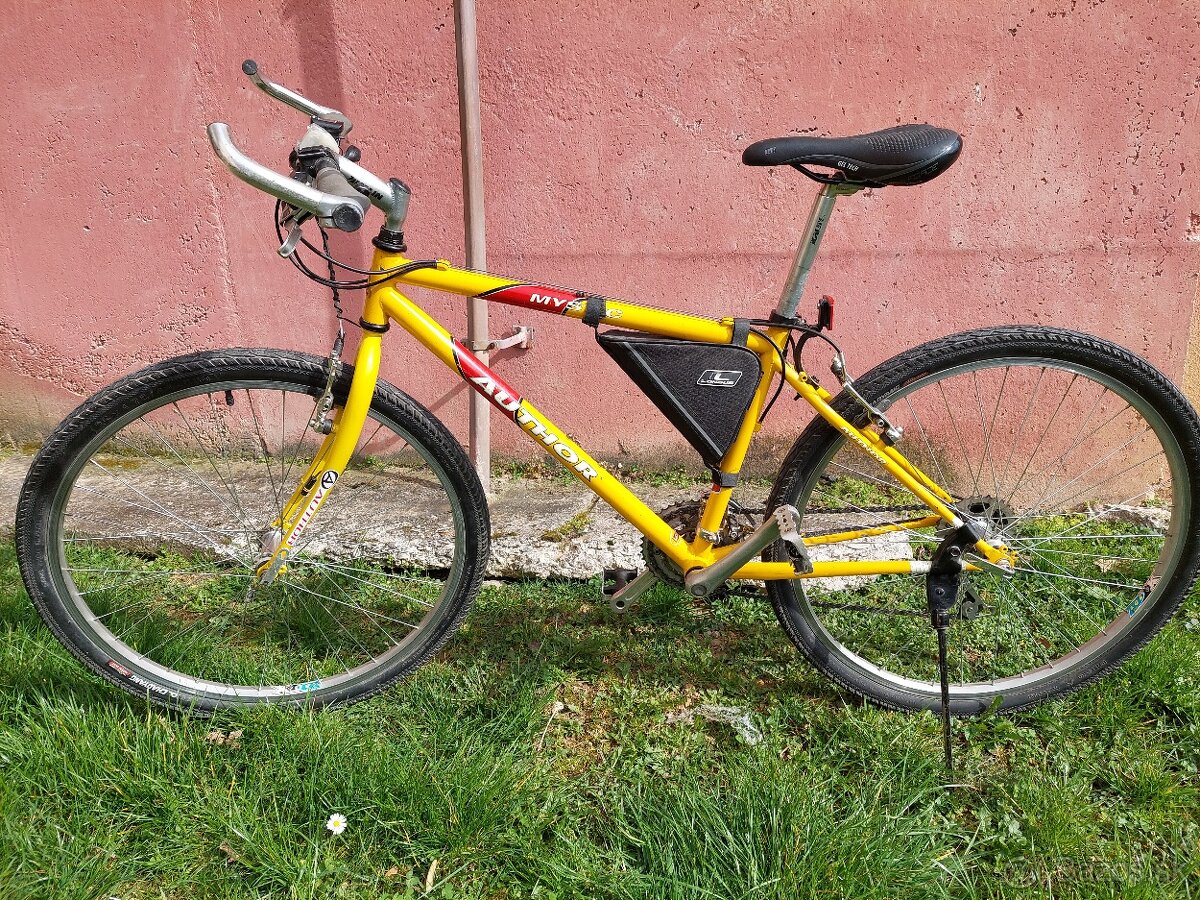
{"points": [[966, 457], [372, 531], [284, 466], [161, 509], [129, 628], [354, 606], [174, 637], [1043, 501], [337, 653], [1092, 518], [893, 486], [1064, 574], [1028, 462], [1020, 431], [1107, 556], [1049, 425], [94, 538], [196, 480], [986, 458], [991, 430], [123, 585], [943, 481], [266, 450], [208, 456], [295, 455], [1044, 576], [1032, 616], [354, 573], [1038, 541], [112, 612], [358, 453], [370, 618], [1081, 441], [1084, 434], [1093, 487]]}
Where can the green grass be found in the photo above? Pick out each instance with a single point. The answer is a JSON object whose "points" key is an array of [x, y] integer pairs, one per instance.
{"points": [[535, 758]]}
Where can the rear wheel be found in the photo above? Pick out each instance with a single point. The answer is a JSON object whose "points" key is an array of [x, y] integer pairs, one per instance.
{"points": [[141, 521], [1074, 453]]}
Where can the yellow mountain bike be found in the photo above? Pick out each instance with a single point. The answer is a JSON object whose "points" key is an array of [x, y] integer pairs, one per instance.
{"points": [[987, 520]]}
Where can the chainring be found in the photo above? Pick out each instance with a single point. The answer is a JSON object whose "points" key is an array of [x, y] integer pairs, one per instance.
{"points": [[685, 518]]}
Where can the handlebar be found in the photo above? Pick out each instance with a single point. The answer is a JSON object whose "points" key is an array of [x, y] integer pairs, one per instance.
{"points": [[294, 100], [330, 208], [338, 197]]}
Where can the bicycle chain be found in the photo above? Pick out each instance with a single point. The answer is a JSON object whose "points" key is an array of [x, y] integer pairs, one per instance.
{"points": [[680, 515], [848, 607]]}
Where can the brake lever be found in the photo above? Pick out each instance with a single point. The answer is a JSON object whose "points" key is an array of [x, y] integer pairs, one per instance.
{"points": [[288, 247], [293, 222]]}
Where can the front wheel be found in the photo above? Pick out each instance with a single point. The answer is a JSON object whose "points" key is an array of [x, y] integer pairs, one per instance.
{"points": [[1072, 452], [143, 517]]}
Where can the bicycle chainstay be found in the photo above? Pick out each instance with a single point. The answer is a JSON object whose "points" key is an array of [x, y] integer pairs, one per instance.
{"points": [[848, 607]]}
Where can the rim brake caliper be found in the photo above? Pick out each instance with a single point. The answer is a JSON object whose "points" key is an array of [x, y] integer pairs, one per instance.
{"points": [[890, 434]]}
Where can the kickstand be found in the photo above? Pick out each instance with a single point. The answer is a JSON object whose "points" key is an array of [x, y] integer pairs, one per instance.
{"points": [[942, 586], [944, 675]]}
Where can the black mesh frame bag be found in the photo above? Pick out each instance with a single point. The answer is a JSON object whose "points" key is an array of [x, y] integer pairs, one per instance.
{"points": [[703, 389]]}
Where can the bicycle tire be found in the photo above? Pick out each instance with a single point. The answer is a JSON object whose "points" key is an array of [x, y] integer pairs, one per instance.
{"points": [[142, 517], [1017, 640]]}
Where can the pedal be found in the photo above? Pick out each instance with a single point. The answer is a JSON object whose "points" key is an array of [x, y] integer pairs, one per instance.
{"points": [[789, 532], [614, 586]]}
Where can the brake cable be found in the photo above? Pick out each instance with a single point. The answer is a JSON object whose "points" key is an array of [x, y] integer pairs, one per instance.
{"points": [[332, 281], [320, 421]]}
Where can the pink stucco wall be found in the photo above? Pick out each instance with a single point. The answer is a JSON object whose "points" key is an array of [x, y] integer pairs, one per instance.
{"points": [[612, 140]]}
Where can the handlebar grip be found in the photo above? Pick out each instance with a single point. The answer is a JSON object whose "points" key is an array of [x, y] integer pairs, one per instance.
{"points": [[346, 216]]}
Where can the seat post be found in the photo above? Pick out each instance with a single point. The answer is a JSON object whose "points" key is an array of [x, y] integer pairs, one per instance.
{"points": [[810, 242]]}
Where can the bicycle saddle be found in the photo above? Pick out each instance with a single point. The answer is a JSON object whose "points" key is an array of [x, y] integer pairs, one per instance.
{"points": [[905, 154]]}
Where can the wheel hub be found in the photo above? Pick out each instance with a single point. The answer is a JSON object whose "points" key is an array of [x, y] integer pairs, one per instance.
{"points": [[991, 512]]}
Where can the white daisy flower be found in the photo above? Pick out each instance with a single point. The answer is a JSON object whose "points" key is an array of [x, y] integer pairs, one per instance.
{"points": [[336, 823]]}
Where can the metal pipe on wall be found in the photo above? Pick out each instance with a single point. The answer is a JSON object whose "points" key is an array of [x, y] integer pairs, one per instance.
{"points": [[471, 147]]}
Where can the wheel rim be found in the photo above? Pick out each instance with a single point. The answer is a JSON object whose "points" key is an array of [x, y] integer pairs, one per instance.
{"points": [[1081, 477], [159, 523]]}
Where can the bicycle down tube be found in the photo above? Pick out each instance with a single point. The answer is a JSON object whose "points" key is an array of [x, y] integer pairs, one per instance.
{"points": [[384, 303]]}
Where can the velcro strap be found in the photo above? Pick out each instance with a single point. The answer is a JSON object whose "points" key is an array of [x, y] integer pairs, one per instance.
{"points": [[595, 309], [723, 479], [741, 332]]}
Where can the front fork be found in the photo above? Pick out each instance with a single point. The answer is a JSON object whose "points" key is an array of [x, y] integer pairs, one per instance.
{"points": [[317, 482]]}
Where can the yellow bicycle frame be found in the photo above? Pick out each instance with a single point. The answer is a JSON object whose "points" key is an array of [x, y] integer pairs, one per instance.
{"points": [[385, 304]]}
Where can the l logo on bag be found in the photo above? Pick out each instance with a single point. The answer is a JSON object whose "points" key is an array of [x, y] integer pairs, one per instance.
{"points": [[719, 378]]}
